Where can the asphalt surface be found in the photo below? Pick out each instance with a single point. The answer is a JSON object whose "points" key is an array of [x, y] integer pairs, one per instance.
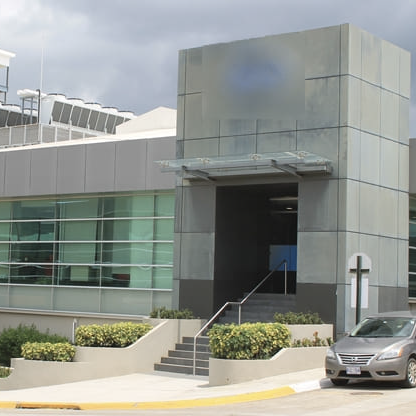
{"points": [[159, 390]]}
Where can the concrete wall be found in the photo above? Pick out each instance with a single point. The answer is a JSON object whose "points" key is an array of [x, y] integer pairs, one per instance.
{"points": [[287, 360], [93, 362], [356, 90]]}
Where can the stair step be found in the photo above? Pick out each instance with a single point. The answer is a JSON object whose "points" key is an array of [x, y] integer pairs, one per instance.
{"points": [[188, 362], [202, 340], [189, 354], [190, 347], [172, 368]]}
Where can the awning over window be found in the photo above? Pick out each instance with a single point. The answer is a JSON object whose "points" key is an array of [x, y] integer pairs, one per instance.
{"points": [[297, 163]]}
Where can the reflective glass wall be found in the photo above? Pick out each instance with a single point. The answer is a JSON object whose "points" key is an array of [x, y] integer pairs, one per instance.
{"points": [[112, 241]]}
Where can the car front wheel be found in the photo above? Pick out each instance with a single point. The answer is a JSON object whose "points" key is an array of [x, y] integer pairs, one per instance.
{"points": [[410, 380], [339, 381]]}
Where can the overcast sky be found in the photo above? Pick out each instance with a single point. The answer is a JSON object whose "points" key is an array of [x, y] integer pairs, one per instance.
{"points": [[124, 53]]}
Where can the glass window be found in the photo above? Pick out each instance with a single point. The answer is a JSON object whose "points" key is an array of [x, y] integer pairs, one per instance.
{"points": [[80, 230], [412, 234], [33, 210], [129, 206], [79, 208], [5, 210], [124, 230], [31, 252], [127, 253], [412, 209], [79, 252], [165, 205], [164, 229], [163, 253], [412, 260], [162, 277], [412, 285]]}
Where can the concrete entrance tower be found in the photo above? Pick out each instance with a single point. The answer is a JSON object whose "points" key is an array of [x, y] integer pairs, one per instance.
{"points": [[338, 93]]}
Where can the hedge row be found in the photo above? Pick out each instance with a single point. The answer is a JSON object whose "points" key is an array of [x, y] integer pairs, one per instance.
{"points": [[164, 313], [249, 341], [300, 318], [119, 334], [12, 339], [45, 351]]}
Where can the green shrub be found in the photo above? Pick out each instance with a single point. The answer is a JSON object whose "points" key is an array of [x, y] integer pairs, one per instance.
{"points": [[249, 341], [314, 342], [46, 351], [5, 372], [300, 318], [164, 313], [119, 334], [12, 339]]}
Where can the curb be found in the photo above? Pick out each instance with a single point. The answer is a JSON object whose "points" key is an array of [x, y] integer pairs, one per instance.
{"points": [[175, 404]]}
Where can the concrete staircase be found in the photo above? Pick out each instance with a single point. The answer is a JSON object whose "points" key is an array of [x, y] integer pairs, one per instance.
{"points": [[180, 360], [260, 307]]}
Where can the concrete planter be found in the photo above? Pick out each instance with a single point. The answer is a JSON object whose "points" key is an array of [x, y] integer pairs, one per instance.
{"points": [[287, 360], [96, 362], [306, 331]]}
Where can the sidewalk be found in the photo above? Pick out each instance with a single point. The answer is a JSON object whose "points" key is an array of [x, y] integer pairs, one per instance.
{"points": [[159, 391]]}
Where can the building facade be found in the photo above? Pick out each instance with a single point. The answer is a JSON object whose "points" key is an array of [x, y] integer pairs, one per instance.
{"points": [[289, 147]]}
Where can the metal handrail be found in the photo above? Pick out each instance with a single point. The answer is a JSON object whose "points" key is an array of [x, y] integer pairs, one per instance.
{"points": [[214, 317]]}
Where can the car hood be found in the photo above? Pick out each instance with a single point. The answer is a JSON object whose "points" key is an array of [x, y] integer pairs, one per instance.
{"points": [[358, 345]]}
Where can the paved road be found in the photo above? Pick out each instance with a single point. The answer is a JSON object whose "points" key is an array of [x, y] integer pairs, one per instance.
{"points": [[354, 400]]}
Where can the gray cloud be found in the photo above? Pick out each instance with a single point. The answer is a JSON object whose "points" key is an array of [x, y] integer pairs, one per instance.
{"points": [[123, 53]]}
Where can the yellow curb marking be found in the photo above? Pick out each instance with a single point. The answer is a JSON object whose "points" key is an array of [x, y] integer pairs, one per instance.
{"points": [[174, 404]]}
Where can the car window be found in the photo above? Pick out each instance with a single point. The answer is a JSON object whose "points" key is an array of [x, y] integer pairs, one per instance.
{"points": [[384, 327]]}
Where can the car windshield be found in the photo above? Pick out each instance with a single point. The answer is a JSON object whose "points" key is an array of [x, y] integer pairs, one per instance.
{"points": [[384, 327]]}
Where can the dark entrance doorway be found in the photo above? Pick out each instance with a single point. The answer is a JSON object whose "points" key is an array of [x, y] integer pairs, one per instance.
{"points": [[255, 227]]}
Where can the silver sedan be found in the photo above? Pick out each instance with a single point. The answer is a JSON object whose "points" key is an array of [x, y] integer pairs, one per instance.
{"points": [[381, 347]]}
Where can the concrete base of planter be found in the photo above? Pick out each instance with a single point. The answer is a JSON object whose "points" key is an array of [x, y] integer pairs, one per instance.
{"points": [[287, 360]]}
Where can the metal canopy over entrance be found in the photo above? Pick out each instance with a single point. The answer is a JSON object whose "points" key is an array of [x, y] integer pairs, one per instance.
{"points": [[297, 163]]}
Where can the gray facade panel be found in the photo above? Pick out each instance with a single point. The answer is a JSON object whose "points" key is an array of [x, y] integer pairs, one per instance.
{"points": [[197, 295], [198, 213], [43, 169], [320, 298], [71, 170], [17, 173], [197, 256], [159, 149], [100, 162], [318, 205], [393, 299], [130, 165]]}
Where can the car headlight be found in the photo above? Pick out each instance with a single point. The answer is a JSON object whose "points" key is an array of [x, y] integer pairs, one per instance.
{"points": [[330, 354], [394, 352]]}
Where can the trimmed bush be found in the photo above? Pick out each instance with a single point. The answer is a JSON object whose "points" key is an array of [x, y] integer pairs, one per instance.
{"points": [[5, 372], [116, 335], [292, 318], [249, 341], [164, 313], [12, 339], [46, 351], [314, 342]]}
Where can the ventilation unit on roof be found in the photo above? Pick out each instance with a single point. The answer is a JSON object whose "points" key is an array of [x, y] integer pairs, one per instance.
{"points": [[4, 67]]}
